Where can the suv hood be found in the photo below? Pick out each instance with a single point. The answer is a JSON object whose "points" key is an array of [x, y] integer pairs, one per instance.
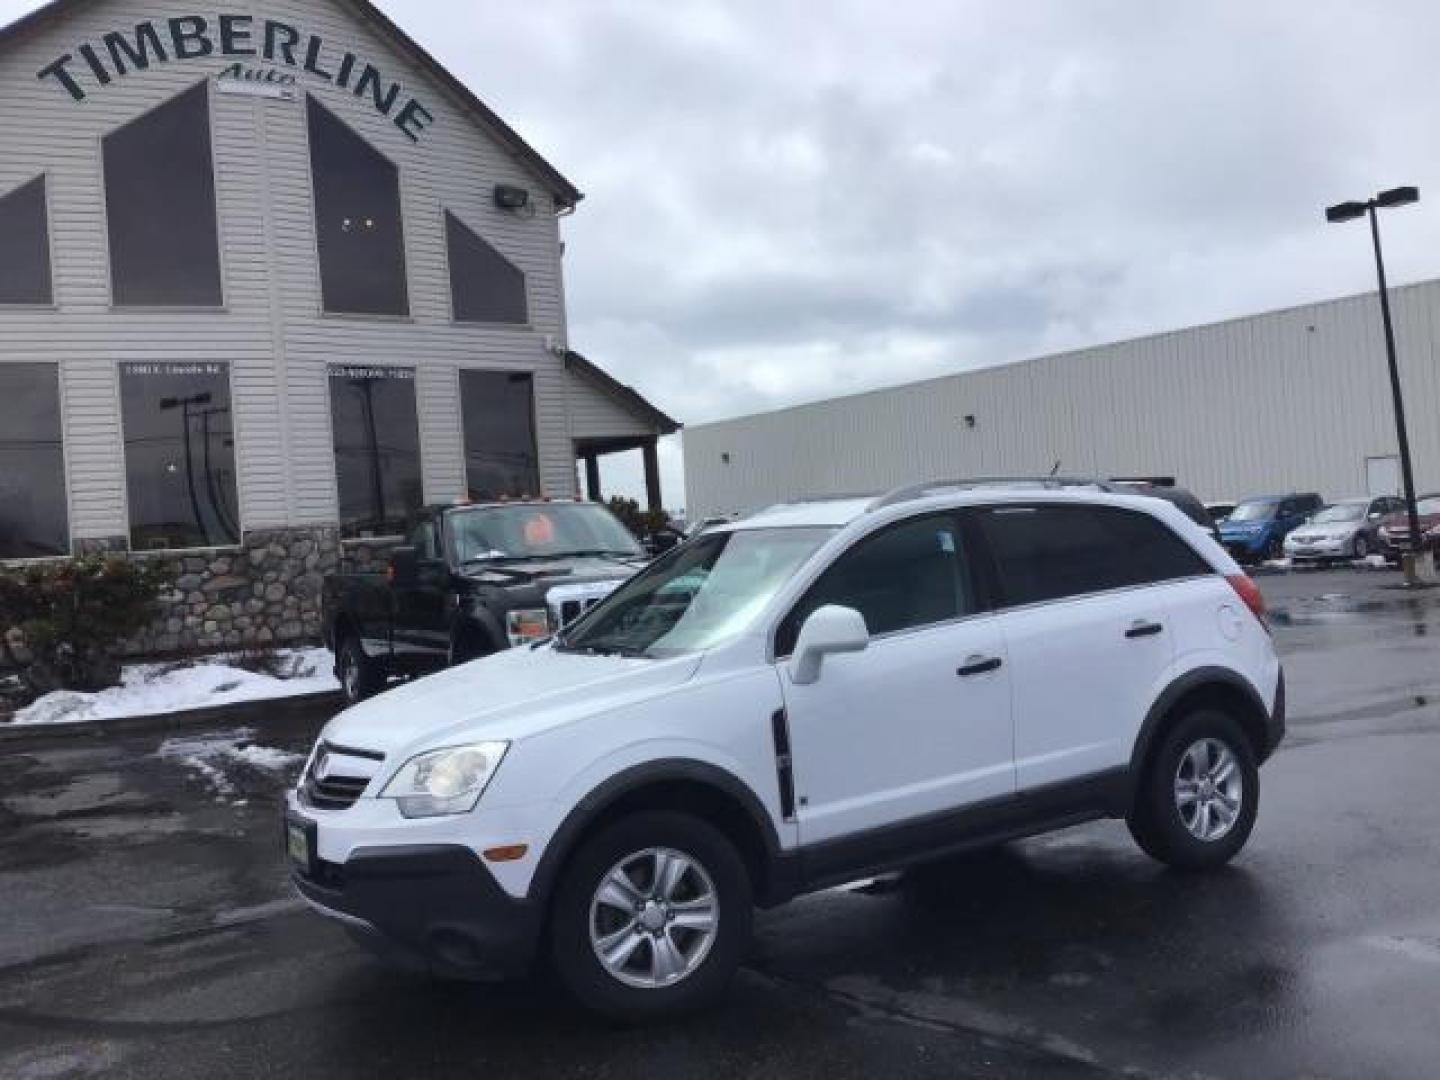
{"points": [[510, 695], [1402, 521]]}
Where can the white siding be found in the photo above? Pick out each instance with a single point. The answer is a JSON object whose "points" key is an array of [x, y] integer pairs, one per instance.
{"points": [[271, 331], [596, 415], [1288, 400]]}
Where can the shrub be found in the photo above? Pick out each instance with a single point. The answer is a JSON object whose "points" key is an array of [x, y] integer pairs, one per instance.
{"points": [[642, 523], [62, 624]]}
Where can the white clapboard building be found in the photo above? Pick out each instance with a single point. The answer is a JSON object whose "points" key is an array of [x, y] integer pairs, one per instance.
{"points": [[271, 279], [1286, 401]]}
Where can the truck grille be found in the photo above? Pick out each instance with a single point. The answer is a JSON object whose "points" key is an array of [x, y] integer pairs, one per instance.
{"points": [[568, 602], [338, 776]]}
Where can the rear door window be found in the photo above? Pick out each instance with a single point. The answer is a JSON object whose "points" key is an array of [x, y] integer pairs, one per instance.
{"points": [[1043, 553]]}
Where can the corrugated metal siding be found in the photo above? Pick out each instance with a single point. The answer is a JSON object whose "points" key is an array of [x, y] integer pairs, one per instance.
{"points": [[1288, 400], [271, 331]]}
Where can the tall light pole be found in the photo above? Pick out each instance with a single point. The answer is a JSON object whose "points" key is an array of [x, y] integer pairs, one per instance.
{"points": [[1348, 211]]}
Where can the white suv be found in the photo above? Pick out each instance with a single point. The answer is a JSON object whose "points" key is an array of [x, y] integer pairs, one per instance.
{"points": [[818, 693]]}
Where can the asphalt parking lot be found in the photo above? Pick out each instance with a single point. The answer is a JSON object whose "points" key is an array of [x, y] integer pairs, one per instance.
{"points": [[147, 929]]}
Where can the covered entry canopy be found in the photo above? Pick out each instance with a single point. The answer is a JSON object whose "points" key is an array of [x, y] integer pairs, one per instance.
{"points": [[608, 417]]}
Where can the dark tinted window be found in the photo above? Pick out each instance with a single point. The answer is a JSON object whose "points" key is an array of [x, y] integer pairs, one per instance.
{"points": [[160, 206], [32, 463], [179, 455], [1050, 552], [498, 410], [909, 575], [357, 220], [25, 246], [377, 448], [484, 285], [423, 540]]}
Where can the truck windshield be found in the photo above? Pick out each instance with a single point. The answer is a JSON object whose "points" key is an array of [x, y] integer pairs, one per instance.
{"points": [[530, 531], [697, 596]]}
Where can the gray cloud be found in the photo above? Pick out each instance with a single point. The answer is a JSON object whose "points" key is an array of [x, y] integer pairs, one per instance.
{"points": [[788, 201]]}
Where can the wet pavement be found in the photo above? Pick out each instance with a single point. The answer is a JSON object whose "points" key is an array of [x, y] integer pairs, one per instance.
{"points": [[146, 929]]}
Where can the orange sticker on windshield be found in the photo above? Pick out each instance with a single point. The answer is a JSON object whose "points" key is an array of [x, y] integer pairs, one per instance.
{"points": [[539, 530]]}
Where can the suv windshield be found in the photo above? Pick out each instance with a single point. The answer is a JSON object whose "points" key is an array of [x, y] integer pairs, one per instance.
{"points": [[1254, 511], [530, 531], [1428, 505], [697, 596], [1340, 512]]}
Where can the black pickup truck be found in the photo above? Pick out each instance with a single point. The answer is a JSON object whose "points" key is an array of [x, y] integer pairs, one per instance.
{"points": [[471, 580]]}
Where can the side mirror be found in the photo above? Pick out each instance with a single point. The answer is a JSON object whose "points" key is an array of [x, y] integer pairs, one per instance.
{"points": [[828, 631], [404, 567], [1376, 516]]}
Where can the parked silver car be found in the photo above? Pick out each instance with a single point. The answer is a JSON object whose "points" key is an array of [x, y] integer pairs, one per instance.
{"points": [[1343, 530]]}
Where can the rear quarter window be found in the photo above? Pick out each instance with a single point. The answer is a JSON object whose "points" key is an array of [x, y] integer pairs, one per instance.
{"points": [[1045, 553]]}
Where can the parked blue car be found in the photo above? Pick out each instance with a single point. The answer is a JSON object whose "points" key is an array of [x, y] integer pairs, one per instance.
{"points": [[1256, 529]]}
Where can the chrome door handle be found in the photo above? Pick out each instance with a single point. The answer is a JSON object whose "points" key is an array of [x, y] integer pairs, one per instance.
{"points": [[1143, 629], [979, 665]]}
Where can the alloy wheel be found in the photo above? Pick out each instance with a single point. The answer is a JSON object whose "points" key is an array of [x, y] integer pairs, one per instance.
{"points": [[653, 918], [1209, 790]]}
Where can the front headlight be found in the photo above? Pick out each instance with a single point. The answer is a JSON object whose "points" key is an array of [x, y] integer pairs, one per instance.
{"points": [[444, 782], [527, 624]]}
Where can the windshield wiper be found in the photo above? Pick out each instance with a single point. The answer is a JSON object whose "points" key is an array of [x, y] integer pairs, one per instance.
{"points": [[599, 553], [495, 557]]}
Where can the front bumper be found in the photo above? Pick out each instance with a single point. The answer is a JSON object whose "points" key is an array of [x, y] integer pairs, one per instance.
{"points": [[1244, 548], [433, 908], [1319, 549]]}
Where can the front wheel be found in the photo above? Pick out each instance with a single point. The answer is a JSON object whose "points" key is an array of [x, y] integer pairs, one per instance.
{"points": [[358, 676], [652, 917], [1199, 795]]}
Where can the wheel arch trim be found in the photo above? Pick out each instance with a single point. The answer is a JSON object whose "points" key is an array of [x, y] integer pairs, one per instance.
{"points": [[605, 795], [1181, 687]]}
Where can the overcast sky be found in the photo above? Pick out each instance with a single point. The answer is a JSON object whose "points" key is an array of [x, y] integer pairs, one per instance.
{"points": [[788, 201]]}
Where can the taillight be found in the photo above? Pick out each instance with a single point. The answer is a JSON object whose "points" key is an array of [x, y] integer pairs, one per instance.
{"points": [[1249, 592]]}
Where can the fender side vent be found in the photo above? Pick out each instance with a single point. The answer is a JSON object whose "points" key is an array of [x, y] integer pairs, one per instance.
{"points": [[784, 768]]}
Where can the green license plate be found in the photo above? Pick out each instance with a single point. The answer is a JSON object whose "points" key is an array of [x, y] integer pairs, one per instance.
{"points": [[297, 841]]}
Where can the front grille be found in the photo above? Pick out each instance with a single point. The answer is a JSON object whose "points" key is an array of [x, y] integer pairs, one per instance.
{"points": [[346, 775], [568, 602], [335, 793], [571, 610]]}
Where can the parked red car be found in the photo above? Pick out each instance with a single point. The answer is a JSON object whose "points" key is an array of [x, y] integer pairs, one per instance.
{"points": [[1394, 531]]}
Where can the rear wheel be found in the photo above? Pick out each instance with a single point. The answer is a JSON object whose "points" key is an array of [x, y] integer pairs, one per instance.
{"points": [[652, 917], [1362, 547], [359, 677], [1199, 795]]}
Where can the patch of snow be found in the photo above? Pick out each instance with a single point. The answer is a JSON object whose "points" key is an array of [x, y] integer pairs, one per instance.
{"points": [[207, 756], [1278, 564], [1375, 562], [268, 758], [157, 689]]}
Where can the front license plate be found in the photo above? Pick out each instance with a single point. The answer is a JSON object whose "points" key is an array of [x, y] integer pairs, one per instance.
{"points": [[297, 842]]}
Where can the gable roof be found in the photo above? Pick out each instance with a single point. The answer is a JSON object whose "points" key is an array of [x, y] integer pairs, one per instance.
{"points": [[566, 193], [627, 397]]}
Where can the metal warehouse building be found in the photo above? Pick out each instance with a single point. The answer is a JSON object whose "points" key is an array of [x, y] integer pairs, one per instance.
{"points": [[270, 280], [1292, 400]]}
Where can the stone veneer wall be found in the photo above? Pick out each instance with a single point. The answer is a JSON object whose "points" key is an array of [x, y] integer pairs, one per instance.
{"points": [[264, 592]]}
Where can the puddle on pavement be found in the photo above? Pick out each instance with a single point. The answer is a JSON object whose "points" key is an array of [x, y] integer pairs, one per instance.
{"points": [[96, 793]]}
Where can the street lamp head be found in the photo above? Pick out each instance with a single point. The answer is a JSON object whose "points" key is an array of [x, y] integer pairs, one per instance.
{"points": [[1345, 211], [1400, 196]]}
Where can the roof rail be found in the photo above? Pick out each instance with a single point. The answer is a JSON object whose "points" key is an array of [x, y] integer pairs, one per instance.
{"points": [[937, 487]]}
